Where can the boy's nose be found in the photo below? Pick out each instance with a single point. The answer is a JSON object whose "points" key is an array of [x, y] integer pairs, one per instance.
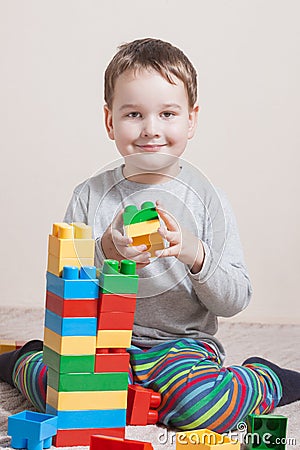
{"points": [[150, 128]]}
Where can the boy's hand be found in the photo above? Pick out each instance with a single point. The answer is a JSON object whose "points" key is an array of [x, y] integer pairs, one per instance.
{"points": [[116, 246], [184, 245]]}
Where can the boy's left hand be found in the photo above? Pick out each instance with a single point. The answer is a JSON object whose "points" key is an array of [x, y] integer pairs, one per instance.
{"points": [[184, 245]]}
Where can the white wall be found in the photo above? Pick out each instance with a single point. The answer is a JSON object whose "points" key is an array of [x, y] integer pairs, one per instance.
{"points": [[53, 55]]}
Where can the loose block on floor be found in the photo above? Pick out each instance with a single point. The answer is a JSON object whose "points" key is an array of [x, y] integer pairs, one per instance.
{"points": [[88, 418], [113, 338], [70, 326], [70, 382], [141, 405], [75, 437], [91, 400], [72, 288], [112, 362], [31, 430], [117, 302], [115, 321], [270, 425], [7, 346], [205, 440], [68, 363], [111, 443], [71, 307], [69, 345]]}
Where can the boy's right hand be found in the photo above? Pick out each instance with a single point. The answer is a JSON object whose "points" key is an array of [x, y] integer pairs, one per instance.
{"points": [[117, 246]]}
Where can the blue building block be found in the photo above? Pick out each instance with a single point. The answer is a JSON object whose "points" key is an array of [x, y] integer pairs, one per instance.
{"points": [[112, 418], [71, 326], [32, 430], [74, 283]]}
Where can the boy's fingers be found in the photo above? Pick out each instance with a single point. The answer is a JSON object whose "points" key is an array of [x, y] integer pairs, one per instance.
{"points": [[118, 220], [119, 239], [138, 250], [173, 237], [170, 251], [166, 217]]}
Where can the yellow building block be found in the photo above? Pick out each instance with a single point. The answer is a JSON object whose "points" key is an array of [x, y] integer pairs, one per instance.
{"points": [[77, 230], [7, 346], [142, 228], [71, 248], [113, 338], [69, 345], [56, 264], [204, 440], [71, 241], [87, 400]]}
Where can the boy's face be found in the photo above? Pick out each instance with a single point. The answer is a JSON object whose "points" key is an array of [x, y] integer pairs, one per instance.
{"points": [[150, 121]]}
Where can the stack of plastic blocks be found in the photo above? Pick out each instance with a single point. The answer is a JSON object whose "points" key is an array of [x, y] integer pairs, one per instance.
{"points": [[142, 225], [86, 398]]}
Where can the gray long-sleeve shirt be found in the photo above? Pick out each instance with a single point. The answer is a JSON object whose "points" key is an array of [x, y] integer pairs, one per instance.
{"points": [[172, 302]]}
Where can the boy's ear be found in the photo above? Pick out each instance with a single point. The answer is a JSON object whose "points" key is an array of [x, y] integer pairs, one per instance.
{"points": [[108, 122], [193, 120]]}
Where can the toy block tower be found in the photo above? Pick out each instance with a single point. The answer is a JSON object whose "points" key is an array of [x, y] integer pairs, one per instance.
{"points": [[86, 393], [142, 225]]}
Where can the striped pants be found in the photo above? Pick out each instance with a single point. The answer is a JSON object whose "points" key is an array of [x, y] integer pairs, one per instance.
{"points": [[197, 392]]}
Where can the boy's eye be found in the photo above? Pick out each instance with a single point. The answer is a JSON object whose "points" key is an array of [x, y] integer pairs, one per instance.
{"points": [[134, 114], [168, 114]]}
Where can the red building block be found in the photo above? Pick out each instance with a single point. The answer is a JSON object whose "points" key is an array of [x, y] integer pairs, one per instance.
{"points": [[76, 437], [117, 302], [141, 406], [115, 321], [106, 443], [70, 307], [111, 361]]}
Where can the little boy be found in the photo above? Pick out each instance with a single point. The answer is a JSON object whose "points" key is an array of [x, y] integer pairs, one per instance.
{"points": [[151, 113]]}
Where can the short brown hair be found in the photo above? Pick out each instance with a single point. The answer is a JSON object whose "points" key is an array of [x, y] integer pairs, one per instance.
{"points": [[155, 54]]}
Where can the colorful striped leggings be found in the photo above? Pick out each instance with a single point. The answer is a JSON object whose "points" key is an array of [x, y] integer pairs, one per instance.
{"points": [[197, 392]]}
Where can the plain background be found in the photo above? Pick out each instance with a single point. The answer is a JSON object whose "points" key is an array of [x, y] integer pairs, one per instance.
{"points": [[53, 55]]}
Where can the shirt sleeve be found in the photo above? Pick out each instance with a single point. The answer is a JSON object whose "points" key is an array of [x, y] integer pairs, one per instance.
{"points": [[223, 285]]}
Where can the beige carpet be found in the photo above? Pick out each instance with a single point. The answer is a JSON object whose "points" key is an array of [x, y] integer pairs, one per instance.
{"points": [[279, 343]]}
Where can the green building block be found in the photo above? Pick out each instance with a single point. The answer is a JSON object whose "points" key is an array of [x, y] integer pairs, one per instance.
{"points": [[265, 432], [68, 363], [71, 382], [133, 215], [118, 278]]}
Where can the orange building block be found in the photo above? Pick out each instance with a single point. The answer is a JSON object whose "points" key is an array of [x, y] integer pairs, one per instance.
{"points": [[141, 406]]}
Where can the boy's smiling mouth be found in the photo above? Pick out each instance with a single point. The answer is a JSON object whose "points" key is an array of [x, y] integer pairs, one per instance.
{"points": [[151, 147]]}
